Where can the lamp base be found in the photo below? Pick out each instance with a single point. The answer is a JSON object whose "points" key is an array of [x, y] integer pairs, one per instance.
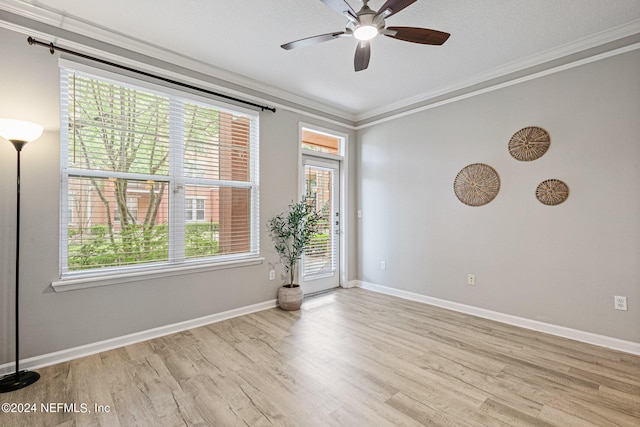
{"points": [[17, 381]]}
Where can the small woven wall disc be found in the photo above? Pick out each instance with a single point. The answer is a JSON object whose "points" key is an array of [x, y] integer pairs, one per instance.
{"points": [[529, 143], [476, 184], [552, 192]]}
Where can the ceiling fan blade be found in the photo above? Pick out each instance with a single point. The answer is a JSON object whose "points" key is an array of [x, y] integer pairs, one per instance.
{"points": [[363, 53], [418, 35], [312, 40], [395, 6], [340, 6]]}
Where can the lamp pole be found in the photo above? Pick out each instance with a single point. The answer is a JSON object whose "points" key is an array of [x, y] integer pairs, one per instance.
{"points": [[9, 129]]}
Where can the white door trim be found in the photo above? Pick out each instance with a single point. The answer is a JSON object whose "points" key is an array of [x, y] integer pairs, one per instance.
{"points": [[328, 279], [343, 159]]}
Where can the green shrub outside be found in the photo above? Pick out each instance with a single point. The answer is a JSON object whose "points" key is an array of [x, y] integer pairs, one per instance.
{"points": [[134, 245]]}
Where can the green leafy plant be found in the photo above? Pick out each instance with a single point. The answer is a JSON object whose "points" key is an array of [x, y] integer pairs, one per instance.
{"points": [[291, 232], [135, 244]]}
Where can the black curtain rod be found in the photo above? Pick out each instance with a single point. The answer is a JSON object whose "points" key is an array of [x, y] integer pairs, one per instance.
{"points": [[53, 48]]}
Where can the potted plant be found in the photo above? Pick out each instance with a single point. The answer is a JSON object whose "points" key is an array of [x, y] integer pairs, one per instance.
{"points": [[291, 232]]}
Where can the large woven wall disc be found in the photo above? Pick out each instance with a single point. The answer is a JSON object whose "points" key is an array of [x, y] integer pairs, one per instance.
{"points": [[476, 184], [552, 192], [529, 143]]}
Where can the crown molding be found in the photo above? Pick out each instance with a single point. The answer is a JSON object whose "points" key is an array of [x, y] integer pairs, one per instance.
{"points": [[413, 109], [565, 50], [281, 97], [105, 35]]}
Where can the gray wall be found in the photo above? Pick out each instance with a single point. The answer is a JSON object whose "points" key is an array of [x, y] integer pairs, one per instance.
{"points": [[50, 321], [560, 265]]}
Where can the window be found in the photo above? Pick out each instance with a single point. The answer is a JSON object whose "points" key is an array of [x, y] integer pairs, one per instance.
{"points": [[71, 203], [320, 142], [194, 210], [152, 177], [131, 211]]}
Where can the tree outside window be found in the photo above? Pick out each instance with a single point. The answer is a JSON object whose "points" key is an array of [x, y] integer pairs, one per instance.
{"points": [[132, 158]]}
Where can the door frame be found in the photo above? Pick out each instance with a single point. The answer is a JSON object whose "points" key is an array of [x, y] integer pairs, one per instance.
{"points": [[328, 280], [341, 158]]}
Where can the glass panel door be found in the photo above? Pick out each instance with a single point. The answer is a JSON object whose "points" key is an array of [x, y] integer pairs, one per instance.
{"points": [[320, 270]]}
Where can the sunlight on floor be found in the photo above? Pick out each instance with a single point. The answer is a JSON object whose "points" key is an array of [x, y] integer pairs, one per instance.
{"points": [[315, 301]]}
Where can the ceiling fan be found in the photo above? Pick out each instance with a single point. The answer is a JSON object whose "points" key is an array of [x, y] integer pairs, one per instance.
{"points": [[366, 24]]}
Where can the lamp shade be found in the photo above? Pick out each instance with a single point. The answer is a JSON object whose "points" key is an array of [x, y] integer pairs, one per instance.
{"points": [[19, 130]]}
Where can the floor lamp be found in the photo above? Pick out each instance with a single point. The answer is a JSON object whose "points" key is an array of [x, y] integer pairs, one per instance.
{"points": [[18, 132]]}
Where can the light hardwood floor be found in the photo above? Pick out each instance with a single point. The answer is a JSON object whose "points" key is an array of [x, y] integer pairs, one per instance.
{"points": [[348, 358]]}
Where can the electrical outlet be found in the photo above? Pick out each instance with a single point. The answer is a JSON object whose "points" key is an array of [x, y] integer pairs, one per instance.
{"points": [[383, 265], [272, 275], [471, 279], [620, 302]]}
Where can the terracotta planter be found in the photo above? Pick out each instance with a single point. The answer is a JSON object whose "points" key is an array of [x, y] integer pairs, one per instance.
{"points": [[290, 298]]}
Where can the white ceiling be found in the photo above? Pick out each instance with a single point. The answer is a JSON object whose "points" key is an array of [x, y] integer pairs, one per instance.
{"points": [[239, 40]]}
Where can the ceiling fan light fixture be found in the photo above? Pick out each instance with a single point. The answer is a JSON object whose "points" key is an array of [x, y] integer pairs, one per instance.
{"points": [[365, 32], [366, 24]]}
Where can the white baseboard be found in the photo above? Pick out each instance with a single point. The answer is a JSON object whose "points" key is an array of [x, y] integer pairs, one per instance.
{"points": [[561, 331], [100, 346], [351, 284]]}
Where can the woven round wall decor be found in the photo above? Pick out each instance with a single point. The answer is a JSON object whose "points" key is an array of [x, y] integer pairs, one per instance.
{"points": [[529, 143], [552, 192], [476, 184]]}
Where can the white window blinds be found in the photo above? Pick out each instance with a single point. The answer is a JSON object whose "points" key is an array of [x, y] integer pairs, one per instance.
{"points": [[319, 258], [153, 178]]}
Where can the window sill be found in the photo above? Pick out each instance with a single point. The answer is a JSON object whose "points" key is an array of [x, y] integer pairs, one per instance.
{"points": [[92, 281]]}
